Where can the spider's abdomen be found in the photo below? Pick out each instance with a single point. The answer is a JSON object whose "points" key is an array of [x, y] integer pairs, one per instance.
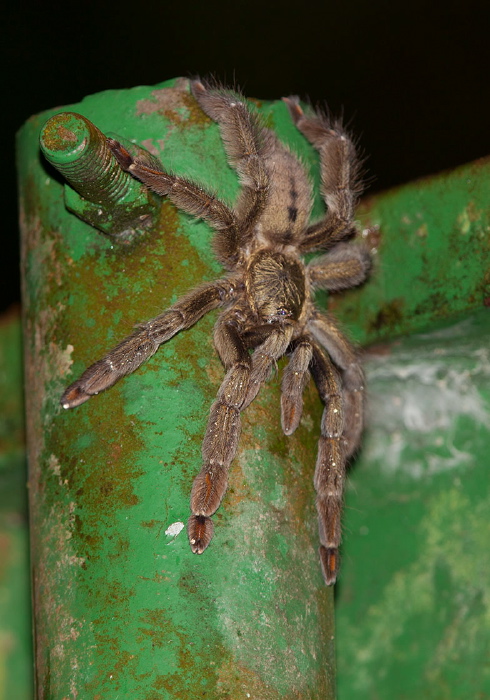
{"points": [[276, 286]]}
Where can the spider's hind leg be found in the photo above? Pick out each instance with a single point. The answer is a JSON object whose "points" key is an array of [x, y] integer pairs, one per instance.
{"points": [[330, 466], [186, 195]]}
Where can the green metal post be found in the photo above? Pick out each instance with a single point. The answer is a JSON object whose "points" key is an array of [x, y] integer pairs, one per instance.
{"points": [[122, 608], [412, 601]]}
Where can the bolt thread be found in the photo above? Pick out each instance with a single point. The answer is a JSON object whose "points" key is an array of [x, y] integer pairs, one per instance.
{"points": [[79, 151]]}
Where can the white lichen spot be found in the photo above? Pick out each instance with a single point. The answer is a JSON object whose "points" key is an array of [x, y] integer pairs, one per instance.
{"points": [[464, 222]]}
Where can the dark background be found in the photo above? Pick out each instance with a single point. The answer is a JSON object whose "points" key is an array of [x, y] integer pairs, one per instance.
{"points": [[412, 78]]}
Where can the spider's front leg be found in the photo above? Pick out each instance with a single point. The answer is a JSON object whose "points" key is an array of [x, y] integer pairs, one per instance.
{"points": [[241, 384], [186, 195], [266, 355], [222, 434], [294, 379], [144, 342]]}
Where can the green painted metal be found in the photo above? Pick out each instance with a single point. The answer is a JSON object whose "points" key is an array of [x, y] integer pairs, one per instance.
{"points": [[122, 608], [413, 602], [15, 627]]}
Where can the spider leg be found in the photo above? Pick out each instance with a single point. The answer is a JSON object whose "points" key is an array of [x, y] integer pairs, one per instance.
{"points": [[186, 195], [330, 466], [276, 198], [340, 184], [294, 380], [144, 342], [241, 384], [222, 434], [343, 267], [327, 333], [265, 356], [246, 142]]}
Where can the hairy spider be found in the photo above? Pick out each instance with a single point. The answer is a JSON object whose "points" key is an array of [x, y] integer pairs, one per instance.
{"points": [[266, 299]]}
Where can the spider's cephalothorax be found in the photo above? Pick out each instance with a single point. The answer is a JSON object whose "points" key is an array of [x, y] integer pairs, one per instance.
{"points": [[266, 299]]}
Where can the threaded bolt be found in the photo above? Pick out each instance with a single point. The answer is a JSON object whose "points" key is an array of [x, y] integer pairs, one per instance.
{"points": [[78, 149], [99, 192]]}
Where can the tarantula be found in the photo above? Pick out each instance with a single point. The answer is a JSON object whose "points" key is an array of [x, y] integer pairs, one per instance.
{"points": [[265, 297]]}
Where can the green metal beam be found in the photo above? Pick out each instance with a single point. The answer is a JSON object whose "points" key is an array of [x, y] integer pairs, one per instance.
{"points": [[413, 602], [432, 264]]}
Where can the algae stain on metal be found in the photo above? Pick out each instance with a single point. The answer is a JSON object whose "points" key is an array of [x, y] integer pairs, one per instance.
{"points": [[52, 506]]}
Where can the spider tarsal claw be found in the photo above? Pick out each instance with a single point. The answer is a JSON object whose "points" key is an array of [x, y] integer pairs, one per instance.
{"points": [[74, 396], [329, 558]]}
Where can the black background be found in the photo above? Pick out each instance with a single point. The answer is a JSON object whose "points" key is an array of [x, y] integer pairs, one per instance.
{"points": [[411, 78]]}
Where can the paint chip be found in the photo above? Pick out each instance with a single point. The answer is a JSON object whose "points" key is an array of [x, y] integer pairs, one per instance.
{"points": [[174, 529]]}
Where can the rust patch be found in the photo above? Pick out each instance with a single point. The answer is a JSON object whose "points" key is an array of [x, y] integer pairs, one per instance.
{"points": [[175, 104]]}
